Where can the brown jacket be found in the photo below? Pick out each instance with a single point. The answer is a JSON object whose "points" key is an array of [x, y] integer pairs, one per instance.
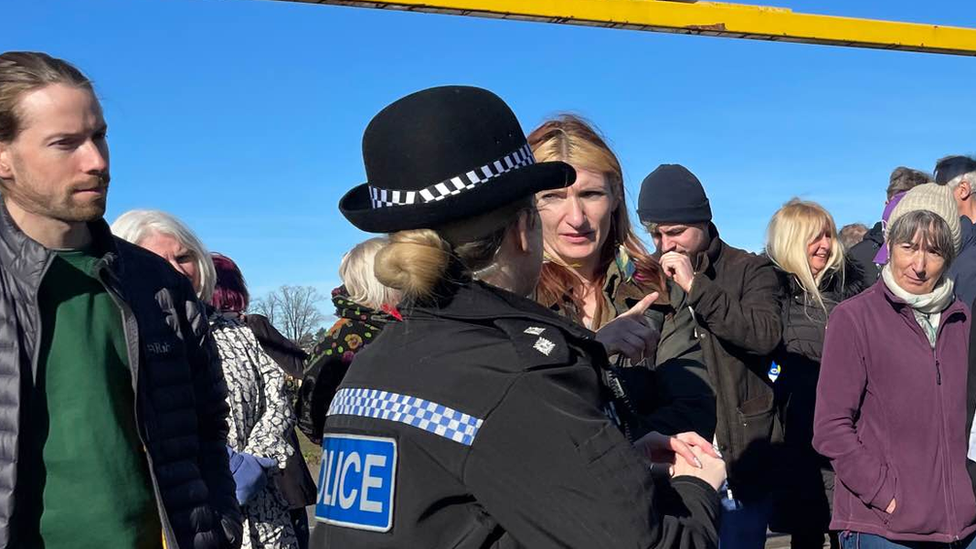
{"points": [[736, 299]]}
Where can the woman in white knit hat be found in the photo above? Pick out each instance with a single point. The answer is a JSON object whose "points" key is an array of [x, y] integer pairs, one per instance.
{"points": [[891, 400]]}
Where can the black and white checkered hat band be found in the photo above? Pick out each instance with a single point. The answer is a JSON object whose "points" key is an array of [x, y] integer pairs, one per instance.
{"points": [[384, 198]]}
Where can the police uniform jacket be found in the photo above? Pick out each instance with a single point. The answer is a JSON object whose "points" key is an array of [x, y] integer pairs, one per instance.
{"points": [[479, 423]]}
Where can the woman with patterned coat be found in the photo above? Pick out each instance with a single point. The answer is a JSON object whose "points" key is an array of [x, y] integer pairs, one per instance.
{"points": [[296, 483], [262, 421]]}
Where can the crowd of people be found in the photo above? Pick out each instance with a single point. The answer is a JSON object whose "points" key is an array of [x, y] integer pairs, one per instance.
{"points": [[511, 366]]}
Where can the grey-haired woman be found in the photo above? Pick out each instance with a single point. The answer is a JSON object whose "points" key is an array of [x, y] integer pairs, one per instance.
{"points": [[261, 419], [891, 399]]}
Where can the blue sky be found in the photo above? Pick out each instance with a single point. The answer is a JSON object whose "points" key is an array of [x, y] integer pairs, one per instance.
{"points": [[245, 117]]}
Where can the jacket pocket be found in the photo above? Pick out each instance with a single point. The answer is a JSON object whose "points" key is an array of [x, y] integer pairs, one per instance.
{"points": [[754, 432], [757, 419], [891, 520]]}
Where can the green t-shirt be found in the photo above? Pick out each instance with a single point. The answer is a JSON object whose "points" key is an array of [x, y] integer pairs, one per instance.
{"points": [[83, 475]]}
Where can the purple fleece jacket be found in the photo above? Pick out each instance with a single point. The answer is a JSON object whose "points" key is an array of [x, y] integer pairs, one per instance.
{"points": [[891, 417]]}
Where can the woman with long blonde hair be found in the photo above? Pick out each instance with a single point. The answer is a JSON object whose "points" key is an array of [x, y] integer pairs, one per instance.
{"points": [[599, 274], [802, 241]]}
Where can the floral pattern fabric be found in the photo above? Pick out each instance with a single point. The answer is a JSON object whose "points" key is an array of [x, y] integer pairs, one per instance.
{"points": [[357, 325], [261, 419], [328, 362]]}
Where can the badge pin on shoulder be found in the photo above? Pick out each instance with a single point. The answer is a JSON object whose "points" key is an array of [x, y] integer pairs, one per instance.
{"points": [[544, 346], [534, 330]]}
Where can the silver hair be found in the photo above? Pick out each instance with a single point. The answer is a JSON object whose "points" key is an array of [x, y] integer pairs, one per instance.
{"points": [[963, 178], [954, 170], [934, 231], [135, 225]]}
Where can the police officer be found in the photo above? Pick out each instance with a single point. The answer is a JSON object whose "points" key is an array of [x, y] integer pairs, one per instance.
{"points": [[478, 421]]}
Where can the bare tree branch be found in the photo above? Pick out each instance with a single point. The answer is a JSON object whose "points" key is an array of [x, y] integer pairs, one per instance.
{"points": [[268, 306], [294, 311]]}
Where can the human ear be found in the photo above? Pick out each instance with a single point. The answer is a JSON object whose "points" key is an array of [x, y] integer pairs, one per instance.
{"points": [[6, 172], [524, 230], [964, 190]]}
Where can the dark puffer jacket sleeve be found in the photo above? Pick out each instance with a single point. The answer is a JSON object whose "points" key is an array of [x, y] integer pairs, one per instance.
{"points": [[752, 322], [210, 391], [567, 477]]}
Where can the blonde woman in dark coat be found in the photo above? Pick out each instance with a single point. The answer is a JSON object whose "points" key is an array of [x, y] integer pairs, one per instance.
{"points": [[802, 242]]}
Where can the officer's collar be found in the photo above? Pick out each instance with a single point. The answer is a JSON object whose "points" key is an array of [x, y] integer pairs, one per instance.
{"points": [[479, 301]]}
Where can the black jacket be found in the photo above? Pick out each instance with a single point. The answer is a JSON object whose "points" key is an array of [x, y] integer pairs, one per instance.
{"points": [[736, 298], [862, 254], [490, 408], [179, 387], [963, 269], [971, 401], [286, 354], [804, 321], [805, 488]]}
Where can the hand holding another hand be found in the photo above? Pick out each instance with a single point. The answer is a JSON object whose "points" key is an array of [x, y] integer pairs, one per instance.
{"points": [[665, 449], [698, 458], [712, 469]]}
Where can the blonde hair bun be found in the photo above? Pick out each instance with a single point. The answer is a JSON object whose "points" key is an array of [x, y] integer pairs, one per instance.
{"points": [[413, 262]]}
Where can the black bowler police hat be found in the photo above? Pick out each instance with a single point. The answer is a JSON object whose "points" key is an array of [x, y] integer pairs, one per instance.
{"points": [[442, 155]]}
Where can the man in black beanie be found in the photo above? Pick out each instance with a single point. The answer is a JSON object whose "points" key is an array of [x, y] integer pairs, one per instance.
{"points": [[727, 304]]}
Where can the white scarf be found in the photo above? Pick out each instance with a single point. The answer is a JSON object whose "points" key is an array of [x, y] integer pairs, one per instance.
{"points": [[927, 307]]}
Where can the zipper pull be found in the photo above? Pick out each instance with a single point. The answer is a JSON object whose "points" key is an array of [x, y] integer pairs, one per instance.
{"points": [[938, 373]]}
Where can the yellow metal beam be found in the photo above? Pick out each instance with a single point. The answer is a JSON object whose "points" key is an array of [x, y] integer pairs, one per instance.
{"points": [[703, 18]]}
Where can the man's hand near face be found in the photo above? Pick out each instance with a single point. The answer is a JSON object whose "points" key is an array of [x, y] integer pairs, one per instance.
{"points": [[678, 268]]}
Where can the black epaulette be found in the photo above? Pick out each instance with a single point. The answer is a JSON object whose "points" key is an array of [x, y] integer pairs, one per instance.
{"points": [[537, 343]]}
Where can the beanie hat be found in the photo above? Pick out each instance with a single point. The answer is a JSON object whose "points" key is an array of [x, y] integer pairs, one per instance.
{"points": [[672, 194], [935, 198]]}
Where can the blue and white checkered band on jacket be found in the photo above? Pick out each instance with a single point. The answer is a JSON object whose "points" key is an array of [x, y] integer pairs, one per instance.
{"points": [[383, 198], [416, 412]]}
